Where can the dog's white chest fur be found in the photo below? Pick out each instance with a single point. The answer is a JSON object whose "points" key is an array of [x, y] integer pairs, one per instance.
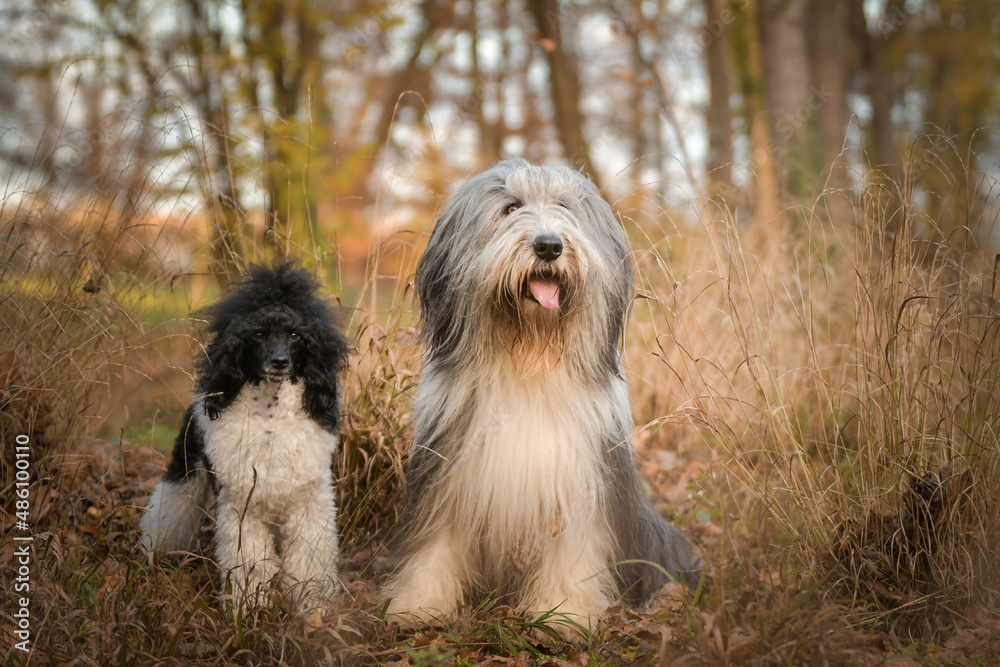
{"points": [[264, 448], [529, 467], [522, 500]]}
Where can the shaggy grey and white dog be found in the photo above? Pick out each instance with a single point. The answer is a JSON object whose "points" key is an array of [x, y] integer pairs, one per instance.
{"points": [[521, 481], [261, 433]]}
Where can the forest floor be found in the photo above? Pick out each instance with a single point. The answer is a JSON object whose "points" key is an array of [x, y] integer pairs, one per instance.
{"points": [[95, 601]]}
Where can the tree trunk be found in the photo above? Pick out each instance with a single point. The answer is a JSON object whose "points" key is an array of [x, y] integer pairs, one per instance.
{"points": [[766, 197], [564, 84], [224, 217], [490, 136], [405, 77], [880, 87], [715, 38], [828, 96], [786, 78]]}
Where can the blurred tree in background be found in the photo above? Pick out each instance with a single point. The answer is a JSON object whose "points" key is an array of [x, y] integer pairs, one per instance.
{"points": [[310, 126]]}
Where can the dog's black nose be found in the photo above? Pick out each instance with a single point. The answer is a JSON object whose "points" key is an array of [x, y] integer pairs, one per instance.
{"points": [[279, 363], [548, 247]]}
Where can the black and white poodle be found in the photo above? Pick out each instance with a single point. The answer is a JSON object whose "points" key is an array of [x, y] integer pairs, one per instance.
{"points": [[261, 433]]}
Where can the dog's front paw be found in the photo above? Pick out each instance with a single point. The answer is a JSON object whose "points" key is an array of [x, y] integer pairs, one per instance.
{"points": [[246, 599], [558, 631], [431, 602], [315, 595], [572, 625], [409, 612]]}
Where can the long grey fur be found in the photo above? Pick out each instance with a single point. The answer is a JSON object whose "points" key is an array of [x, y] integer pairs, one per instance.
{"points": [[550, 512]]}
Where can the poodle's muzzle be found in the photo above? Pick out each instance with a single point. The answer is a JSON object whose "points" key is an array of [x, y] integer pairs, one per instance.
{"points": [[276, 357]]}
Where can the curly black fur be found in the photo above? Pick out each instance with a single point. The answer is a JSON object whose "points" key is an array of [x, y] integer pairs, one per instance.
{"points": [[259, 313], [273, 302]]}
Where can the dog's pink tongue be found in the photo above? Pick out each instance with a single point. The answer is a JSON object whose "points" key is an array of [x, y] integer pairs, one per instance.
{"points": [[545, 291]]}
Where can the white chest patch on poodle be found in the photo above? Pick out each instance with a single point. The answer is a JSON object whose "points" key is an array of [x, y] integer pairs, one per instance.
{"points": [[265, 450]]}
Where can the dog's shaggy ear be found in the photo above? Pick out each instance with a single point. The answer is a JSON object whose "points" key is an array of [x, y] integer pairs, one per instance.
{"points": [[442, 298], [221, 373], [319, 359], [615, 240], [435, 294]]}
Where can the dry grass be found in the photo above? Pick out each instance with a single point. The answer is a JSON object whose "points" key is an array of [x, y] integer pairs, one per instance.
{"points": [[72, 283], [819, 408], [847, 378], [375, 437]]}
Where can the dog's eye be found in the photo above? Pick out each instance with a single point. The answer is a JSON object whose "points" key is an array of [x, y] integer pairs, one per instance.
{"points": [[294, 336], [259, 335], [510, 208]]}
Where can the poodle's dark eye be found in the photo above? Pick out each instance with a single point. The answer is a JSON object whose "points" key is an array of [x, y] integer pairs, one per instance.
{"points": [[510, 208], [258, 335], [294, 335]]}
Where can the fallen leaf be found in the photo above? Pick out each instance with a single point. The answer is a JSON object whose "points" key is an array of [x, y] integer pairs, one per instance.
{"points": [[313, 620]]}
